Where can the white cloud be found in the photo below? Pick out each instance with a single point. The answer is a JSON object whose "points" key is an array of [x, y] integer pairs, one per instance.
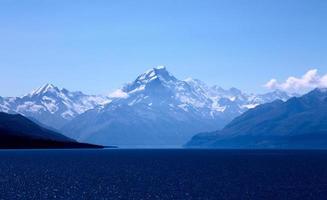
{"points": [[310, 80], [118, 94]]}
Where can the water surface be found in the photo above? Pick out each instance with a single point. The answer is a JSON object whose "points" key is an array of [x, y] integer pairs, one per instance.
{"points": [[162, 174]]}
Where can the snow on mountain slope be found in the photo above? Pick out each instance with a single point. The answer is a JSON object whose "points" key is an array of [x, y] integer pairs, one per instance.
{"points": [[157, 109], [50, 105], [233, 101], [4, 107]]}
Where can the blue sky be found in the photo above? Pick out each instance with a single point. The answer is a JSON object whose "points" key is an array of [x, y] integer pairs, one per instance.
{"points": [[96, 46]]}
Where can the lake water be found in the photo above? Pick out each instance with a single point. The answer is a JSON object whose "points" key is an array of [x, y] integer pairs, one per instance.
{"points": [[162, 174]]}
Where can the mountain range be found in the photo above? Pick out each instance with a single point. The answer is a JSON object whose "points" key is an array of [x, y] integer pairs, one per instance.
{"points": [[156, 109], [159, 110], [300, 122], [51, 106]]}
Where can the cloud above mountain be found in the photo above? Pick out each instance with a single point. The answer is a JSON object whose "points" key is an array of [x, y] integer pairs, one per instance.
{"points": [[310, 80], [118, 94]]}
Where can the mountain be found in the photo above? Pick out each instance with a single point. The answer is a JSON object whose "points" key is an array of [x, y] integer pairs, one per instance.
{"points": [[233, 101], [17, 131], [51, 106], [300, 122], [157, 109]]}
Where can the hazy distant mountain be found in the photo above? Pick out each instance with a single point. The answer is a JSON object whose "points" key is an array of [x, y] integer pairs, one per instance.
{"points": [[300, 122], [17, 131], [155, 109], [158, 109], [51, 106]]}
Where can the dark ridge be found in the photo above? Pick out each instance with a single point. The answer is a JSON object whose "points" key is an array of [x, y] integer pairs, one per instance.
{"points": [[18, 132], [300, 122]]}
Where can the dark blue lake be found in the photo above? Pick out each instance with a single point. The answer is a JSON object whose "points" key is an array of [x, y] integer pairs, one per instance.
{"points": [[162, 174]]}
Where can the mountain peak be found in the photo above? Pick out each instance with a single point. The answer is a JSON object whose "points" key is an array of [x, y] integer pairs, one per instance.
{"points": [[48, 87], [197, 84], [235, 91], [158, 73], [154, 73], [193, 80], [160, 67], [318, 93]]}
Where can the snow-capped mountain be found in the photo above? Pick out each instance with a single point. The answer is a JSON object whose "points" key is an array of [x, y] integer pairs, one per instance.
{"points": [[155, 109], [51, 106], [233, 101], [159, 109]]}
